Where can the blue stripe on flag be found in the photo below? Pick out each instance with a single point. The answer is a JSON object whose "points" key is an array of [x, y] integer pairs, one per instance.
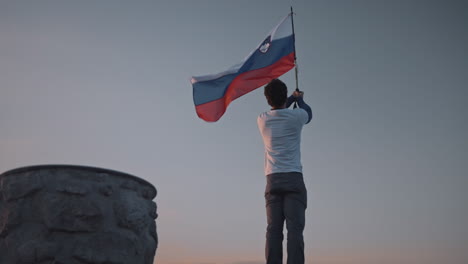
{"points": [[211, 90]]}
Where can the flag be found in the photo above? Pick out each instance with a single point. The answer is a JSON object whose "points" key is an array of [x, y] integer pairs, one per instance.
{"points": [[273, 57]]}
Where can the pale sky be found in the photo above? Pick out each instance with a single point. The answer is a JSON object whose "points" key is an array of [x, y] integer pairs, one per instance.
{"points": [[106, 84]]}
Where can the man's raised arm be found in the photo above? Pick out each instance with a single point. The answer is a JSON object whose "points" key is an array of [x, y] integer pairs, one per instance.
{"points": [[299, 96]]}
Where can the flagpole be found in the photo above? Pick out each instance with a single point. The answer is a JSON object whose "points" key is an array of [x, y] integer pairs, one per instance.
{"points": [[294, 43], [294, 47]]}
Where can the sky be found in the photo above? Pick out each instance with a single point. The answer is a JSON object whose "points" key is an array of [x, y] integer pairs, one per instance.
{"points": [[107, 84]]}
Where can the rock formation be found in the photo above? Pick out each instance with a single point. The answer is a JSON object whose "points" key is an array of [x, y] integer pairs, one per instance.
{"points": [[61, 214]]}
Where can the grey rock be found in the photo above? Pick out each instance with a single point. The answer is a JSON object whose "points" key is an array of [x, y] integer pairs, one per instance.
{"points": [[70, 213], [34, 251], [9, 218], [13, 188], [148, 193], [152, 210], [130, 185], [113, 247], [132, 212], [73, 188], [106, 190], [64, 214]]}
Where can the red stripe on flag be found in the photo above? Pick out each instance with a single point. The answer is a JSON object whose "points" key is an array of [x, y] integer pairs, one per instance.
{"points": [[211, 111], [243, 84]]}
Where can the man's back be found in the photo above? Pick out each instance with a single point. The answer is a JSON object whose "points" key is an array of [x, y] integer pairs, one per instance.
{"points": [[281, 133]]}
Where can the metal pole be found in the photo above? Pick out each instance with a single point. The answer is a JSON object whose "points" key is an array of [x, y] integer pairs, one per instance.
{"points": [[295, 58], [294, 43]]}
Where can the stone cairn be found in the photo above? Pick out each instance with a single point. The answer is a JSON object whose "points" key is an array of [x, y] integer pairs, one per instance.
{"points": [[62, 214]]}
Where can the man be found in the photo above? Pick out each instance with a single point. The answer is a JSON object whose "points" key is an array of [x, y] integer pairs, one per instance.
{"points": [[285, 193]]}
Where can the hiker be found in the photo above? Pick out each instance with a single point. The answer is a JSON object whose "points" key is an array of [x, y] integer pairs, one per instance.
{"points": [[285, 192]]}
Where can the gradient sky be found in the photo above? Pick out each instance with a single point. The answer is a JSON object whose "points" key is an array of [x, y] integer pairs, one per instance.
{"points": [[106, 84]]}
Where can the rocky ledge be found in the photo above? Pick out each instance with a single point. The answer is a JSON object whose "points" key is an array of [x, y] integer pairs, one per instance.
{"points": [[65, 214]]}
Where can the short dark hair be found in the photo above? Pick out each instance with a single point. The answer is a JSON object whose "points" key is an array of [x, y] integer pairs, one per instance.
{"points": [[276, 93]]}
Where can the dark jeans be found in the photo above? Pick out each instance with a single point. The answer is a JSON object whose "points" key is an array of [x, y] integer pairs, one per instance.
{"points": [[286, 199]]}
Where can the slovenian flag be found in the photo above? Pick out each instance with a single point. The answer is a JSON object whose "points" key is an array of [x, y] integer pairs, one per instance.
{"points": [[272, 58]]}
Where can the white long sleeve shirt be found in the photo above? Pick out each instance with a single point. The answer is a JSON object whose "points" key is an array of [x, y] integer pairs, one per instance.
{"points": [[281, 132]]}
